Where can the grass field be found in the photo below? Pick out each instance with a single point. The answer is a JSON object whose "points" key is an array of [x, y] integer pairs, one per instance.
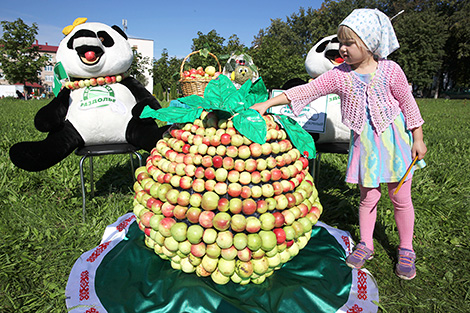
{"points": [[42, 233]]}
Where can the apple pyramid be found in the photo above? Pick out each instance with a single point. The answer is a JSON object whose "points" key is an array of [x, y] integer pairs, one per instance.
{"points": [[215, 202]]}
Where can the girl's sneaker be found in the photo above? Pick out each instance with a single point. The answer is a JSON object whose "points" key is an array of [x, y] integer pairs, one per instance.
{"points": [[359, 256], [405, 268]]}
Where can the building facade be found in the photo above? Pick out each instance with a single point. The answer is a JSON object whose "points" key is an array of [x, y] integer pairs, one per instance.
{"points": [[46, 77]]}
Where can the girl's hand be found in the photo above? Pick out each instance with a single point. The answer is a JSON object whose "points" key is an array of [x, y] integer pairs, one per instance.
{"points": [[419, 148], [261, 107]]}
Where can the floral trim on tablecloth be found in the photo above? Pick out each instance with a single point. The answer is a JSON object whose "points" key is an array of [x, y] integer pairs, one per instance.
{"points": [[81, 295]]}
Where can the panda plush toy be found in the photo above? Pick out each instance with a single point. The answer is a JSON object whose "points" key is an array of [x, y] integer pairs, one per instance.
{"points": [[322, 57], [100, 104]]}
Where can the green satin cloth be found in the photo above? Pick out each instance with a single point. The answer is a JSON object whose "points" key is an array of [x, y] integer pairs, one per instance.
{"points": [[132, 278]]}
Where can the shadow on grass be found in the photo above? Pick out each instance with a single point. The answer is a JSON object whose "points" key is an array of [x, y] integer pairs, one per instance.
{"points": [[340, 203], [110, 179]]}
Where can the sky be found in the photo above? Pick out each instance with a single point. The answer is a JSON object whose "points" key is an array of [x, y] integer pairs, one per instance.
{"points": [[171, 24]]}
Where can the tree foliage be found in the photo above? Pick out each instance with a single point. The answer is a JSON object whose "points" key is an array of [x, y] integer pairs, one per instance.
{"points": [[214, 43], [20, 59], [139, 66], [166, 70], [158, 91], [433, 34]]}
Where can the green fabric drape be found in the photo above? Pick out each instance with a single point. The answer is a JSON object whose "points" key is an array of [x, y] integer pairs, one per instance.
{"points": [[132, 278]]}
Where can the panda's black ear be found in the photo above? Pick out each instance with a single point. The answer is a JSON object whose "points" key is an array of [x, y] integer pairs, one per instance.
{"points": [[119, 30]]}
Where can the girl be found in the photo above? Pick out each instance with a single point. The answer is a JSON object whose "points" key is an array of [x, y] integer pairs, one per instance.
{"points": [[385, 122]]}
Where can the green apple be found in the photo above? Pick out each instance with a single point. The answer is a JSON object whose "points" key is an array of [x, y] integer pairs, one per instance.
{"points": [[195, 233], [219, 278], [268, 240], [244, 269], [254, 241], [179, 231], [226, 267], [209, 236], [240, 241]]}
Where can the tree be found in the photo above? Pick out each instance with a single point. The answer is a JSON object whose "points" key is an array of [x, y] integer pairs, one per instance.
{"points": [[458, 45], [166, 70], [158, 91], [139, 66], [20, 59], [212, 42], [422, 37]]}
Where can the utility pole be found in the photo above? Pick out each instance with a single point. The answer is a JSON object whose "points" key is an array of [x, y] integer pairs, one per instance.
{"points": [[124, 25]]}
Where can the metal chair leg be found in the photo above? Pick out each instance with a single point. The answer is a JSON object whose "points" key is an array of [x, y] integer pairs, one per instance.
{"points": [[82, 180], [316, 178], [91, 177], [139, 158]]}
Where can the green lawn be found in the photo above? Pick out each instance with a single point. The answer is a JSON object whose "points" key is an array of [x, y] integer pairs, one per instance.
{"points": [[43, 234]]}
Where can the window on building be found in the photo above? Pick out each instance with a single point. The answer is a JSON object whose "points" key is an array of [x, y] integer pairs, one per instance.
{"points": [[49, 78], [49, 68]]}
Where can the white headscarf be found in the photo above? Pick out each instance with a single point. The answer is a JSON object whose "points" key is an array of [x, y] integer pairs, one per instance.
{"points": [[375, 29]]}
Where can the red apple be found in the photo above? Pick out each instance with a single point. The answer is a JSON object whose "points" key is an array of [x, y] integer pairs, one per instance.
{"points": [[246, 192], [276, 174], [223, 205], [205, 219], [277, 186], [225, 139], [280, 235], [279, 219], [228, 163], [249, 206], [217, 161], [209, 173], [180, 212]]}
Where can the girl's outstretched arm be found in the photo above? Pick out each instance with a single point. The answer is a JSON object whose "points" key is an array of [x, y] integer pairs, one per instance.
{"points": [[262, 107], [419, 148]]}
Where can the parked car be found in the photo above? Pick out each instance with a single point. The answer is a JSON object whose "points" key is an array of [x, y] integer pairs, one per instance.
{"points": [[457, 93]]}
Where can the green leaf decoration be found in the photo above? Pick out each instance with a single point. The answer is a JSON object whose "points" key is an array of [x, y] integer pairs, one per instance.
{"points": [[258, 92], [196, 101], [251, 124], [218, 90], [173, 114], [298, 136], [237, 101]]}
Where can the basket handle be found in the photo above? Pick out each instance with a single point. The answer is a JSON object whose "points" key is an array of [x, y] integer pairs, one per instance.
{"points": [[194, 52]]}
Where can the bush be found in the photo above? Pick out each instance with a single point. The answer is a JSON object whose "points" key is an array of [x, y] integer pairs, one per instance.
{"points": [[173, 91], [158, 91]]}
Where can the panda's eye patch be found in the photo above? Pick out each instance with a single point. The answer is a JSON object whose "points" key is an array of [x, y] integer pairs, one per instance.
{"points": [[322, 46], [106, 39], [80, 33]]}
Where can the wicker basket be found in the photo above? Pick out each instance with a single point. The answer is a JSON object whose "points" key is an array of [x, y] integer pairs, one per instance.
{"points": [[195, 86]]}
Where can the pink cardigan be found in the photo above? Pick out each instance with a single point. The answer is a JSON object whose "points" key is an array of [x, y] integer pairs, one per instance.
{"points": [[387, 94]]}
